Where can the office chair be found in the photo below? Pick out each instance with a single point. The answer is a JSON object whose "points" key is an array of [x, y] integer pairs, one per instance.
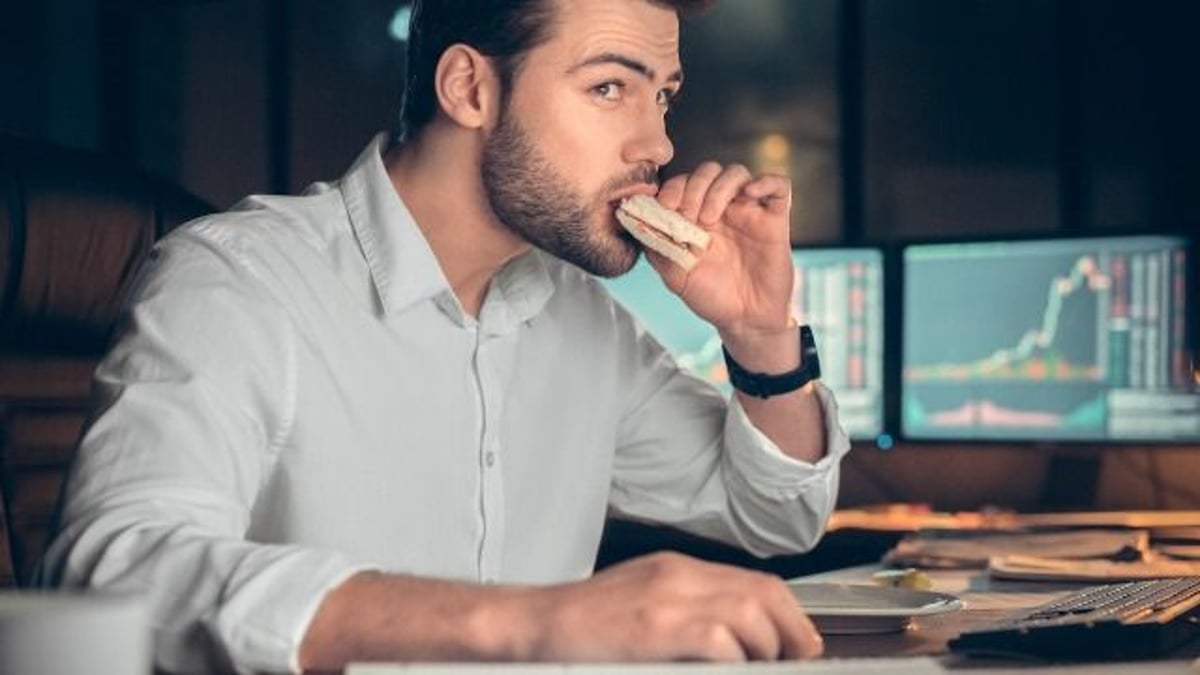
{"points": [[74, 226]]}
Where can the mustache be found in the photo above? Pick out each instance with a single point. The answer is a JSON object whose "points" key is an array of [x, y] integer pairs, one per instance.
{"points": [[643, 175]]}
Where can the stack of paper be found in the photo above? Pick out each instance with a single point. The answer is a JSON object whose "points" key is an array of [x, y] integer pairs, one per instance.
{"points": [[1028, 567], [936, 549]]}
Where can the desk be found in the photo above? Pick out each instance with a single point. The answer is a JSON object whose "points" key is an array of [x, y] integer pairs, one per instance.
{"points": [[919, 651], [986, 599]]}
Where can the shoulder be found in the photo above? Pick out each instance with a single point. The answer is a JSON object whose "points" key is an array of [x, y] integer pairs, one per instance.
{"points": [[272, 222], [268, 236]]}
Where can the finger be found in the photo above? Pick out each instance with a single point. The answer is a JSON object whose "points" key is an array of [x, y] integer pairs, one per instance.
{"points": [[697, 187], [670, 193], [773, 192], [753, 626], [727, 186], [798, 637], [801, 640], [710, 641], [674, 276]]}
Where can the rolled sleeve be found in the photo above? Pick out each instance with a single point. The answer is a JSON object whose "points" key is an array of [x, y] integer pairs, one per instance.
{"points": [[767, 470], [265, 626], [690, 459]]}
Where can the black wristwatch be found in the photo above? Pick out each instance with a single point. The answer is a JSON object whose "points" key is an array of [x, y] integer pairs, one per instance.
{"points": [[763, 385]]}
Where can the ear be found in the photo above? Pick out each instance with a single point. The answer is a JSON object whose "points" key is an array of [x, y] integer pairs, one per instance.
{"points": [[467, 86]]}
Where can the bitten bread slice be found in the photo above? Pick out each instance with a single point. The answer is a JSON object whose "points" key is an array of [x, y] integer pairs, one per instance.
{"points": [[663, 230]]}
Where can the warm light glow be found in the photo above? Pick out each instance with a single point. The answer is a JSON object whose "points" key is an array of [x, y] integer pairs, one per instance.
{"points": [[775, 149], [773, 154], [399, 26]]}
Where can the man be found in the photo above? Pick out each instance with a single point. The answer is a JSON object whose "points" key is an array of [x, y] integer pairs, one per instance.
{"points": [[385, 420]]}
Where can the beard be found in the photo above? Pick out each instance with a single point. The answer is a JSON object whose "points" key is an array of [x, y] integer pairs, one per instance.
{"points": [[533, 200]]}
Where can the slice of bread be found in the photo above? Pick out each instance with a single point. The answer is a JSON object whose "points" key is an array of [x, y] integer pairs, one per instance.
{"points": [[650, 211], [656, 241]]}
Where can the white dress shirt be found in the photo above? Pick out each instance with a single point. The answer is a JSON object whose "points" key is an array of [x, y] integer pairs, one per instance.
{"points": [[297, 395]]}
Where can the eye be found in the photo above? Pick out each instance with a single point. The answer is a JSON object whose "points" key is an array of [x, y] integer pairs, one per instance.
{"points": [[667, 98], [609, 91]]}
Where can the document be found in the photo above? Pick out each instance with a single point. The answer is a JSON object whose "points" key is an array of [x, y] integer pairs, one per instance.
{"points": [[1027, 567], [1148, 519], [1179, 551], [944, 550]]}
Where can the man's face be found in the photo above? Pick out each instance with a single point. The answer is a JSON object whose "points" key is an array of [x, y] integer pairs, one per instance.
{"points": [[585, 128]]}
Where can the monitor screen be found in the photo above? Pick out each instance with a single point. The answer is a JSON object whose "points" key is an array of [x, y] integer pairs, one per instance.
{"points": [[838, 292], [1052, 340]]}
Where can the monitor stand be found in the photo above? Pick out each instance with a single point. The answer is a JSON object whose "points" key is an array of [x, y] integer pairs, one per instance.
{"points": [[1071, 480]]}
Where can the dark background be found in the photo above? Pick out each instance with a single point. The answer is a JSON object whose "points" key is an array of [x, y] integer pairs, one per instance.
{"points": [[897, 120]]}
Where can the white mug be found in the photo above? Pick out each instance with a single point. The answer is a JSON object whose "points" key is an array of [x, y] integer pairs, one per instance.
{"points": [[73, 633]]}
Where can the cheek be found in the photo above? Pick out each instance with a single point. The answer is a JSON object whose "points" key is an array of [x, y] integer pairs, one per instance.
{"points": [[585, 171], [580, 140]]}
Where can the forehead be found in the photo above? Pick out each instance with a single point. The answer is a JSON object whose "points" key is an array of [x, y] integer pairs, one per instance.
{"points": [[635, 28]]}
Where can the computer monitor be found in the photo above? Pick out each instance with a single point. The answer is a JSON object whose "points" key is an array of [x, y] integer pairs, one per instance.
{"points": [[838, 292], [1070, 339]]}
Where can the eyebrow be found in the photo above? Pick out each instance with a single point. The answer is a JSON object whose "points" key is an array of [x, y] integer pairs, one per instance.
{"points": [[622, 60]]}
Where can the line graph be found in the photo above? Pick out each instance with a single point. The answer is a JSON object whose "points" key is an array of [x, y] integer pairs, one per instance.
{"points": [[1033, 356]]}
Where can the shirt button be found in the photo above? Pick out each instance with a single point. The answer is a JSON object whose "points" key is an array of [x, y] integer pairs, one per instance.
{"points": [[490, 459]]}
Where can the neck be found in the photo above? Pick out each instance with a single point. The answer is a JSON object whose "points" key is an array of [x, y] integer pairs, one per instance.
{"points": [[438, 177]]}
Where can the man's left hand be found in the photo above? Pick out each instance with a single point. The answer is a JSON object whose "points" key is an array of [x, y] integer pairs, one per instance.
{"points": [[743, 283]]}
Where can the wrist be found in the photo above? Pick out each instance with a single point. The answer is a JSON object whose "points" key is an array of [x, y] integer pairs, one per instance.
{"points": [[768, 351], [505, 625], [376, 616]]}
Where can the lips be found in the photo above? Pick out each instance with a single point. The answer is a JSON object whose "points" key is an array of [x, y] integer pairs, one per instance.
{"points": [[647, 189]]}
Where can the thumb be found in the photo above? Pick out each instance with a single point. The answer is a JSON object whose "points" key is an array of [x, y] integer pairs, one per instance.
{"points": [[674, 276]]}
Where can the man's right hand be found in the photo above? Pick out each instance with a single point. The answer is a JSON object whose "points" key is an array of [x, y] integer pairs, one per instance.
{"points": [[668, 607], [661, 607]]}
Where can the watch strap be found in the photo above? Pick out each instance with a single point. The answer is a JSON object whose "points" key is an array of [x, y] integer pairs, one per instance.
{"points": [[764, 385]]}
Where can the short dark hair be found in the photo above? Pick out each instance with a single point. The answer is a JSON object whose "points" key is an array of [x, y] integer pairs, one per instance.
{"points": [[503, 30]]}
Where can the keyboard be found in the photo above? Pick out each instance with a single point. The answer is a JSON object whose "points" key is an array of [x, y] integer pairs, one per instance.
{"points": [[1130, 620]]}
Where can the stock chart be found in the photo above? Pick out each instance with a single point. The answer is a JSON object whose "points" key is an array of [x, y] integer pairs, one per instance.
{"points": [[1066, 339]]}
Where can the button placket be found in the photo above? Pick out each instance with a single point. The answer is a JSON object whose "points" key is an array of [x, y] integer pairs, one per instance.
{"points": [[490, 483]]}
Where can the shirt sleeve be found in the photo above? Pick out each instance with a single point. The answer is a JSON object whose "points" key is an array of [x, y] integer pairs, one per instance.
{"points": [[193, 404], [689, 458]]}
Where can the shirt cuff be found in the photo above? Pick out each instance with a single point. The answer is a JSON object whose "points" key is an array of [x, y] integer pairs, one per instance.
{"points": [[264, 632], [766, 468]]}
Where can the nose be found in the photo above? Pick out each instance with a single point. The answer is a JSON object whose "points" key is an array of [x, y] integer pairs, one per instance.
{"points": [[650, 144]]}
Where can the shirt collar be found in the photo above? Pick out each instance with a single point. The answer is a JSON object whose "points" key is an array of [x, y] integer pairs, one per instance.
{"points": [[518, 292], [403, 266]]}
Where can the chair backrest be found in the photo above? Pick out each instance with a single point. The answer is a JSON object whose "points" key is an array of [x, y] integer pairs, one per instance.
{"points": [[74, 226]]}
